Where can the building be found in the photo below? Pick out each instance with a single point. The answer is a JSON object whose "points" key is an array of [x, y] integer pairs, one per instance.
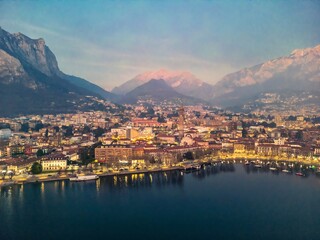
{"points": [[113, 153], [54, 163], [181, 123], [15, 150], [5, 133], [19, 165]]}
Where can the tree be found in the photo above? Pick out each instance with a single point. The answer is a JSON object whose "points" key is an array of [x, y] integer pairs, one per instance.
{"points": [[56, 128], [299, 135], [25, 127], [38, 126], [98, 132], [10, 173], [244, 133], [188, 155], [36, 168], [150, 111], [40, 153], [47, 133], [3, 174], [87, 154], [86, 129], [161, 119], [69, 131]]}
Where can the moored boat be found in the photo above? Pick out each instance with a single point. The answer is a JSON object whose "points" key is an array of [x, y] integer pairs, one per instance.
{"points": [[78, 178], [273, 169], [300, 174], [285, 171]]}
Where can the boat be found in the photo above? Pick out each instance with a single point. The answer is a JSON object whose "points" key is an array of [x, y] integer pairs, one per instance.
{"points": [[247, 163], [196, 166], [258, 166], [273, 169], [285, 171], [300, 174], [78, 178], [192, 167]]}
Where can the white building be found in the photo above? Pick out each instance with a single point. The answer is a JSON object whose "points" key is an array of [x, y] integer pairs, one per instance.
{"points": [[54, 164], [5, 133]]}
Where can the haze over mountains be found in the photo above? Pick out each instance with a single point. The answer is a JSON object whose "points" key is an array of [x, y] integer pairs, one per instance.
{"points": [[31, 81], [300, 71], [158, 90], [182, 82]]}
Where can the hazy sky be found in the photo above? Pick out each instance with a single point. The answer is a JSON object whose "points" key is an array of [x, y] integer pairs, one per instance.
{"points": [[109, 42]]}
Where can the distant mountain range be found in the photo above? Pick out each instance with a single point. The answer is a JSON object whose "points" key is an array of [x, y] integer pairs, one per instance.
{"points": [[184, 83], [31, 81], [300, 71], [158, 90]]}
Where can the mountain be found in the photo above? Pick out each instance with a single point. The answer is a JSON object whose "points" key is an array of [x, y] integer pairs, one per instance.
{"points": [[80, 82], [300, 71], [158, 90], [182, 82], [31, 82]]}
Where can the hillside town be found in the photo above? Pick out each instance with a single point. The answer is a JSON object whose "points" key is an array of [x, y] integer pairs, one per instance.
{"points": [[130, 137]]}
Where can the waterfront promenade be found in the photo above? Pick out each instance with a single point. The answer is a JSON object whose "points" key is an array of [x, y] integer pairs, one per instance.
{"points": [[48, 177], [239, 158]]}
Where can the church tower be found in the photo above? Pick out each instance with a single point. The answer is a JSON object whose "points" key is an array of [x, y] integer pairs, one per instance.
{"points": [[181, 122]]}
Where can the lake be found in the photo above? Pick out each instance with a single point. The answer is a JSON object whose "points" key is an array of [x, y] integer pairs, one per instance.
{"points": [[222, 202]]}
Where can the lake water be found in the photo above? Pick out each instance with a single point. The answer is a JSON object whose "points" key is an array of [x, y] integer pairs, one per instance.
{"points": [[234, 202]]}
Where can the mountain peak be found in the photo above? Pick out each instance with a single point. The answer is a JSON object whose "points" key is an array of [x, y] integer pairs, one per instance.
{"points": [[30, 80], [304, 51], [298, 71], [183, 82], [156, 89]]}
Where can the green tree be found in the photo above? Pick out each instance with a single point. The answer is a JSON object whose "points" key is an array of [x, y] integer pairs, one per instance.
{"points": [[46, 133], [56, 128], [244, 133], [86, 129], [98, 132], [299, 135], [150, 111], [25, 127], [38, 126], [40, 153], [188, 155], [36, 168], [86, 157]]}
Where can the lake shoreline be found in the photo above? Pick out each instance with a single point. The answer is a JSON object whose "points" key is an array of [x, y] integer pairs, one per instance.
{"points": [[232, 159]]}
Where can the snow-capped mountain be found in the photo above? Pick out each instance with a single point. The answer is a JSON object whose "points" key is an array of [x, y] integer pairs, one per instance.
{"points": [[300, 71], [182, 82]]}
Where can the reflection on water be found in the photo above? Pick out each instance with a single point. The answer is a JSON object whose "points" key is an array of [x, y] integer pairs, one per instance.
{"points": [[135, 203], [138, 180], [212, 169], [142, 180]]}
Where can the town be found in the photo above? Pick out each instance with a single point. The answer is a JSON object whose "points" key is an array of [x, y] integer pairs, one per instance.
{"points": [[148, 135]]}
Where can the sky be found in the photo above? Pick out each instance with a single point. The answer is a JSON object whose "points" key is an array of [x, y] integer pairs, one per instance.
{"points": [[110, 42]]}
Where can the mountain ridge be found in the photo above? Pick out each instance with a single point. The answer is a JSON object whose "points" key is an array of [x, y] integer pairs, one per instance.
{"points": [[158, 90], [36, 53], [300, 70], [181, 81], [31, 81]]}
